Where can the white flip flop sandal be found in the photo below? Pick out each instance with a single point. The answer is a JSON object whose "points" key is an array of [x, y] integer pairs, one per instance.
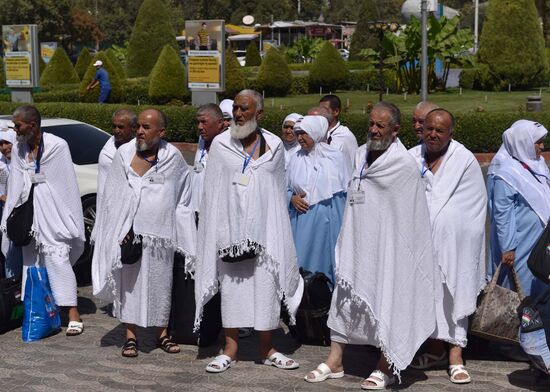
{"points": [[281, 361], [323, 373], [380, 379], [220, 364], [74, 328], [455, 370]]}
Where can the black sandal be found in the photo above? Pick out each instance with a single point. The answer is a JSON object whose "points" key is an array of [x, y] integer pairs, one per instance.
{"points": [[167, 345], [130, 349]]}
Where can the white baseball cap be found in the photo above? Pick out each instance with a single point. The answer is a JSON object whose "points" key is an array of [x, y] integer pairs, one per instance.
{"points": [[226, 107], [98, 63]]}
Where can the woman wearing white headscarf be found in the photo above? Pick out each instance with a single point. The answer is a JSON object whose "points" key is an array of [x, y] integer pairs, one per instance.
{"points": [[318, 178], [290, 142], [519, 201], [14, 261]]}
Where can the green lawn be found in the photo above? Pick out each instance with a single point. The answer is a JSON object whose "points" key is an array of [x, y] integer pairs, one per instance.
{"points": [[513, 102]]}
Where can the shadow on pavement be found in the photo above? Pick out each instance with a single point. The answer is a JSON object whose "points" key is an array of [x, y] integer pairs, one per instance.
{"points": [[530, 379]]}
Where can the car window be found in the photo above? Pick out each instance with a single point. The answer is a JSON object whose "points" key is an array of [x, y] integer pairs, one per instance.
{"points": [[85, 141]]}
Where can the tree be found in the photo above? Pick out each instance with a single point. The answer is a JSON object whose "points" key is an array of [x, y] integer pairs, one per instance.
{"points": [[84, 27], [118, 87], [274, 76], [116, 63], [59, 70], [304, 50], [388, 10], [253, 57], [82, 62], [234, 79], [512, 43], [167, 80], [149, 36], [329, 70]]}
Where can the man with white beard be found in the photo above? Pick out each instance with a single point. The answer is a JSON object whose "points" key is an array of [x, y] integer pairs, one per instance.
{"points": [[384, 292], [245, 239], [144, 219]]}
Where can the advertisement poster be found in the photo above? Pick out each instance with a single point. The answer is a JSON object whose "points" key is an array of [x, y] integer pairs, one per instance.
{"points": [[47, 50], [19, 42], [205, 45]]}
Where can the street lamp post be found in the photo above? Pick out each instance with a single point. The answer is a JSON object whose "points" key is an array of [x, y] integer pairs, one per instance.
{"points": [[380, 27]]}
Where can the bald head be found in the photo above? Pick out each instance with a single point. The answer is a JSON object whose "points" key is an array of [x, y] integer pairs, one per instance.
{"points": [[152, 128], [419, 116], [438, 131], [321, 111]]}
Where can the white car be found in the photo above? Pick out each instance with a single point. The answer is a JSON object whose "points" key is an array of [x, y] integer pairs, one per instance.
{"points": [[85, 143]]}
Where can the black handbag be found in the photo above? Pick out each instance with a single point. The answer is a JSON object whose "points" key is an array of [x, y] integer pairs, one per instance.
{"points": [[130, 250], [539, 259], [19, 223]]}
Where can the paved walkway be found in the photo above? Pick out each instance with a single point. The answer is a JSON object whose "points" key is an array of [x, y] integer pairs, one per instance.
{"points": [[92, 362]]}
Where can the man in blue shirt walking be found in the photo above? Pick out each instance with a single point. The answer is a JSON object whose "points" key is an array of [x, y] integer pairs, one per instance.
{"points": [[102, 78]]}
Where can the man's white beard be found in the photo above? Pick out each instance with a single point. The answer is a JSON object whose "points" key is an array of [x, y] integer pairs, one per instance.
{"points": [[379, 145], [242, 131], [145, 146], [23, 138]]}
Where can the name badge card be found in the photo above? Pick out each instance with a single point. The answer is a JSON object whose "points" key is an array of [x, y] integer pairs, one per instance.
{"points": [[37, 178], [241, 179], [198, 167], [356, 197], [156, 179]]}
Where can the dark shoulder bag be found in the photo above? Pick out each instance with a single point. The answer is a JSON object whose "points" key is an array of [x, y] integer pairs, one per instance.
{"points": [[130, 251], [250, 254], [19, 223], [539, 259]]}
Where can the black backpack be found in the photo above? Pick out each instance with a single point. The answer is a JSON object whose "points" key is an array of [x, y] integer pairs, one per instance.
{"points": [[539, 259], [19, 223]]}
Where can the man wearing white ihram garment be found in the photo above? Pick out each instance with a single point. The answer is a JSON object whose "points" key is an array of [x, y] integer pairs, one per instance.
{"points": [[144, 209], [244, 236], [44, 160], [455, 190], [384, 294]]}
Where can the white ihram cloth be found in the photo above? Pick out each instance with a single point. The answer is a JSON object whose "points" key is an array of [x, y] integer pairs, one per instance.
{"points": [[157, 212], [344, 140], [104, 164], [321, 172], [457, 201], [197, 175], [58, 224], [384, 261], [237, 218], [519, 142]]}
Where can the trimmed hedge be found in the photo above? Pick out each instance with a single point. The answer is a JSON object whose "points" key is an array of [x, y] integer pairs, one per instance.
{"points": [[82, 62], [119, 68], [59, 70], [274, 76], [234, 79], [328, 70], [167, 80], [480, 132], [252, 58]]}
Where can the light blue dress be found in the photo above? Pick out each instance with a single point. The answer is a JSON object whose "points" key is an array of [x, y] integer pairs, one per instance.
{"points": [[315, 233], [514, 225]]}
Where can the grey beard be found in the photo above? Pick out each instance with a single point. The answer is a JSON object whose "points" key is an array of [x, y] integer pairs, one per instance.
{"points": [[379, 145], [242, 131], [23, 138], [145, 146]]}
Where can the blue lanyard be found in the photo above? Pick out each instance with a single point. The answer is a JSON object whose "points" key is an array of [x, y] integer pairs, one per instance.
{"points": [[38, 156], [249, 157], [423, 169], [203, 153], [361, 172]]}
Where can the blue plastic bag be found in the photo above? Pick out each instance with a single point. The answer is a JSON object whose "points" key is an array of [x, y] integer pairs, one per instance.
{"points": [[41, 317]]}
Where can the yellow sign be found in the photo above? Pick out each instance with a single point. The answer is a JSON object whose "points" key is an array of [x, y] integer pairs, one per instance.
{"points": [[203, 70], [18, 68]]}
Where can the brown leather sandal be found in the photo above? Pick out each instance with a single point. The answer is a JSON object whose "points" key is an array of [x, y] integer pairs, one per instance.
{"points": [[130, 349], [167, 345]]}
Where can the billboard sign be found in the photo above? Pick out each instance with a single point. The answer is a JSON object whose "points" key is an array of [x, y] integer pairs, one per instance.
{"points": [[20, 55]]}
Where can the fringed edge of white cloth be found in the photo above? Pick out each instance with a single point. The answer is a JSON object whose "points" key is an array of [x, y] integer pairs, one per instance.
{"points": [[190, 261], [41, 247], [356, 299], [237, 249]]}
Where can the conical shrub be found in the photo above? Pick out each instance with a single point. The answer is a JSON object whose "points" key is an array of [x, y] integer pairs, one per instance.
{"points": [[116, 63], [118, 86], [82, 62], [274, 76], [234, 79], [151, 32], [329, 70], [253, 57], [41, 65], [167, 79], [59, 70]]}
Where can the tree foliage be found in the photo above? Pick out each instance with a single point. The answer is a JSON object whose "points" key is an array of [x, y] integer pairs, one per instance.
{"points": [[253, 57], [149, 36], [119, 68], [512, 43], [329, 70], [82, 62], [118, 86], [59, 70], [304, 50], [167, 80], [234, 79], [274, 76]]}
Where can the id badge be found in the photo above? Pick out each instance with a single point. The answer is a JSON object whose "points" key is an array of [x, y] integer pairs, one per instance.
{"points": [[37, 178], [241, 179], [198, 167], [356, 197], [156, 179]]}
